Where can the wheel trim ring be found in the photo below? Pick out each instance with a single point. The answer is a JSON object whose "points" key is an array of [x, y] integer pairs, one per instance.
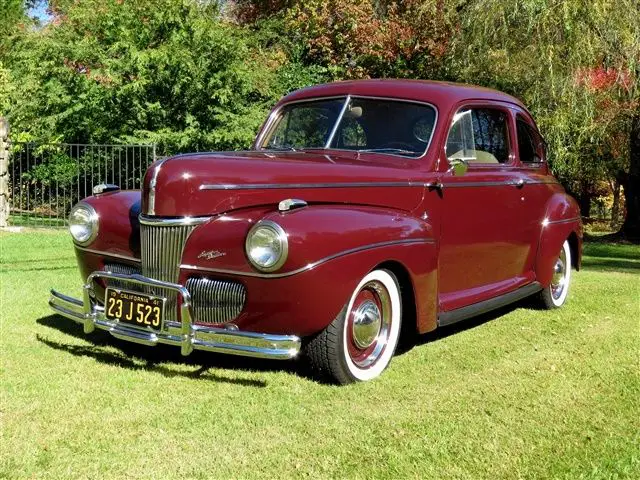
{"points": [[367, 357], [559, 279]]}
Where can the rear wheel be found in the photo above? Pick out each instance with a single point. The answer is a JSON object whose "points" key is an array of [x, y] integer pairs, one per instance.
{"points": [[359, 344], [555, 295]]}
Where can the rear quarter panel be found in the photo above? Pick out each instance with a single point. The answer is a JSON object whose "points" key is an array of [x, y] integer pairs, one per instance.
{"points": [[561, 220]]}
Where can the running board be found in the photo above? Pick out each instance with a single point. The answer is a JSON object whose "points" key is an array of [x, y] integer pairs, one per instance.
{"points": [[454, 316]]}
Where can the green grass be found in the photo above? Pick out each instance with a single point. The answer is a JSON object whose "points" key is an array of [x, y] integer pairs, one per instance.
{"points": [[21, 220], [521, 393]]}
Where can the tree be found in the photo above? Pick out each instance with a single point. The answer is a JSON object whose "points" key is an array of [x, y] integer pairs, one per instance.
{"points": [[576, 64], [167, 71], [362, 38]]}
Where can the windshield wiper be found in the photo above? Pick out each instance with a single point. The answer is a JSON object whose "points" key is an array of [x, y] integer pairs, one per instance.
{"points": [[387, 150], [282, 148]]}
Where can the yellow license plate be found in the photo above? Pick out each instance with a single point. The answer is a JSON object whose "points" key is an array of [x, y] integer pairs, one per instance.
{"points": [[133, 308]]}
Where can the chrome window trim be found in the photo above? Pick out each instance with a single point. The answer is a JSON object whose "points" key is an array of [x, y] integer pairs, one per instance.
{"points": [[337, 124], [472, 104], [258, 144], [273, 116], [311, 265]]}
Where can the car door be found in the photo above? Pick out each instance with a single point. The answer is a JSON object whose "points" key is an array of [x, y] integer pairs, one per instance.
{"points": [[537, 184], [483, 246]]}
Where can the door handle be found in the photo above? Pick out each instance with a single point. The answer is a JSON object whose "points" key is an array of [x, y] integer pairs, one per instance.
{"points": [[519, 183]]}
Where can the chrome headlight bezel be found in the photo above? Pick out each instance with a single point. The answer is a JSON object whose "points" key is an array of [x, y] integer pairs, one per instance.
{"points": [[279, 235], [92, 223]]}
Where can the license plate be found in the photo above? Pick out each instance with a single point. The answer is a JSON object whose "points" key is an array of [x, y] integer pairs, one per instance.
{"points": [[133, 308]]}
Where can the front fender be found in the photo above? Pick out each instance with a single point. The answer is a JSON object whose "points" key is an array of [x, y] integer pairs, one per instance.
{"points": [[315, 234], [561, 220], [118, 226], [331, 247]]}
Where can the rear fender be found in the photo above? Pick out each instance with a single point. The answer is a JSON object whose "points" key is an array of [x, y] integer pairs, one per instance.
{"points": [[561, 222]]}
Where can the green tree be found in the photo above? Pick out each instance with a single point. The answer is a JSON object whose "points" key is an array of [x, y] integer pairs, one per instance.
{"points": [[167, 71], [361, 38], [576, 65]]}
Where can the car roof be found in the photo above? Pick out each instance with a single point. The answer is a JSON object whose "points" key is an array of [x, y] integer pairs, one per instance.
{"points": [[441, 94]]}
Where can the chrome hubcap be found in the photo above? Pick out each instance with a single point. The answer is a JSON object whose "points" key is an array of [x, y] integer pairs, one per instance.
{"points": [[558, 281], [370, 324], [366, 324]]}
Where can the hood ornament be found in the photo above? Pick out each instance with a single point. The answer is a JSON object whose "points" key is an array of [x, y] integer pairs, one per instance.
{"points": [[211, 254]]}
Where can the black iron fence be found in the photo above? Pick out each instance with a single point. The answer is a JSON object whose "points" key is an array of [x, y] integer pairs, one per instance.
{"points": [[46, 180]]}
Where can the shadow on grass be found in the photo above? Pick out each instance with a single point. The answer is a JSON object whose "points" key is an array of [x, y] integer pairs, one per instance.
{"points": [[474, 322], [610, 264], [154, 359]]}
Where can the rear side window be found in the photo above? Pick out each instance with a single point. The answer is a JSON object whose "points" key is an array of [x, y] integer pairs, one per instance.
{"points": [[479, 135], [530, 144]]}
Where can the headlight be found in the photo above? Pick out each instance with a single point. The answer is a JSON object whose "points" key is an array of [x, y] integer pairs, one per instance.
{"points": [[267, 246], [83, 223]]}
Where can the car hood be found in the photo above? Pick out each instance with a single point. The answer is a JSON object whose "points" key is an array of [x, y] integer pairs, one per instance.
{"points": [[213, 183]]}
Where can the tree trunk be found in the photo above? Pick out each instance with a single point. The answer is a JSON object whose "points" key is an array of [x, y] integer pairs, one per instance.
{"points": [[584, 201], [631, 226], [615, 207]]}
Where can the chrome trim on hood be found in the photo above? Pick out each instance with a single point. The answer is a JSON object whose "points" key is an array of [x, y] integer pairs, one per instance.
{"points": [[274, 186], [171, 222], [151, 199]]}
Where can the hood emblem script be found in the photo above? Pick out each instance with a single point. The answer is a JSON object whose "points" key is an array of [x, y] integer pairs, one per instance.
{"points": [[211, 254]]}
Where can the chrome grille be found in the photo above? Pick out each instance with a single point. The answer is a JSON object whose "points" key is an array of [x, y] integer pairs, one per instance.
{"points": [[216, 301], [161, 249]]}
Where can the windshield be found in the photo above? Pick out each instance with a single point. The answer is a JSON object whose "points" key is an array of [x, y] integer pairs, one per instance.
{"points": [[352, 123]]}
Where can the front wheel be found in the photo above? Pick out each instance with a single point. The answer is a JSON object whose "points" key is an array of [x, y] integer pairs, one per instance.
{"points": [[359, 344], [556, 293]]}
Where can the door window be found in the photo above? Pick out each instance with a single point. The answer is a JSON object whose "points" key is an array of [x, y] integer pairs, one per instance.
{"points": [[530, 144], [479, 135]]}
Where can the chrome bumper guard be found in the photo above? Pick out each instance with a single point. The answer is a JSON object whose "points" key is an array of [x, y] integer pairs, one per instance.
{"points": [[184, 334]]}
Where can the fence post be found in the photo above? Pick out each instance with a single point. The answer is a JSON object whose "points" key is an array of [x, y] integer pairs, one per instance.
{"points": [[4, 172]]}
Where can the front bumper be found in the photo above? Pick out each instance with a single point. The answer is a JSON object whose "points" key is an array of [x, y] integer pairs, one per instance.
{"points": [[184, 334]]}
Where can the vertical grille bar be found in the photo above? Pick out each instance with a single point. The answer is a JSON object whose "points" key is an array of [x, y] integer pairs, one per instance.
{"points": [[161, 248], [216, 301]]}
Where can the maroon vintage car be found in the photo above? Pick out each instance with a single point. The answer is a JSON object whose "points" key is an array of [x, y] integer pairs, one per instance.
{"points": [[363, 207]]}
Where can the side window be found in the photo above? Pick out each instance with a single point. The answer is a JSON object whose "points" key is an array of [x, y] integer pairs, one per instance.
{"points": [[479, 135], [530, 145]]}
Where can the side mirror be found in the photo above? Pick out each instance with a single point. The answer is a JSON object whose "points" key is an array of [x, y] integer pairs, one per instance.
{"points": [[458, 167]]}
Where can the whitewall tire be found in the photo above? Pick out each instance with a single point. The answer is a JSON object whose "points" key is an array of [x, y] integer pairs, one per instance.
{"points": [[359, 344], [555, 295]]}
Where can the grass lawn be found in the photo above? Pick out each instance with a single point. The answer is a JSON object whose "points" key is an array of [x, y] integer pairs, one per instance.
{"points": [[520, 393]]}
